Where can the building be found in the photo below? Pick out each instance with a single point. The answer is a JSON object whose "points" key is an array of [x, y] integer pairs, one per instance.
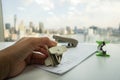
{"points": [[68, 29], [32, 27], [7, 26], [15, 19], [22, 29], [41, 27]]}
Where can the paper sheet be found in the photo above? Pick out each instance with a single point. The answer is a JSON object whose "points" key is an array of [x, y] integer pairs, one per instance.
{"points": [[71, 58]]}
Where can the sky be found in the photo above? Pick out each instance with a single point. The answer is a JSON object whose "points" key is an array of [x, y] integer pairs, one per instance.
{"points": [[62, 13]]}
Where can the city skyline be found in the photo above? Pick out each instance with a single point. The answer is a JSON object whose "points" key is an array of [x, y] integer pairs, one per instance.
{"points": [[62, 13]]}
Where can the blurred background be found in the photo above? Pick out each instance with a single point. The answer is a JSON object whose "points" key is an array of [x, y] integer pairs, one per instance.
{"points": [[84, 20]]}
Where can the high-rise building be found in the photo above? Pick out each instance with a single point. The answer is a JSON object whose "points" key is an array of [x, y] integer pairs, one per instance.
{"points": [[41, 27], [15, 19], [75, 30], [7, 26], [31, 26], [69, 30], [22, 29]]}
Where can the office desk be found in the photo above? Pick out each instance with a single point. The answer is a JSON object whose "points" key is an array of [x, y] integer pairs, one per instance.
{"points": [[94, 68]]}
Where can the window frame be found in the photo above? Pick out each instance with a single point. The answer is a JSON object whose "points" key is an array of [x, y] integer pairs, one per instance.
{"points": [[1, 23]]}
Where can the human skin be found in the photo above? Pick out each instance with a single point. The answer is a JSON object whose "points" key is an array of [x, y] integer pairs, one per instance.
{"points": [[16, 57]]}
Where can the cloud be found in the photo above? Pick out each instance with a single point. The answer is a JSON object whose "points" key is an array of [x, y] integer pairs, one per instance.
{"points": [[45, 4], [21, 8], [51, 13], [103, 8], [95, 12], [27, 2], [103, 13], [72, 8], [75, 2], [100, 13], [77, 12]]}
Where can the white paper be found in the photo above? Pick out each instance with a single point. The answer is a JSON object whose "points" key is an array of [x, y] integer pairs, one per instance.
{"points": [[5, 44], [71, 58]]}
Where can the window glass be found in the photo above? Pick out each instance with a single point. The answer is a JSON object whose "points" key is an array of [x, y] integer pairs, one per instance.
{"points": [[84, 20]]}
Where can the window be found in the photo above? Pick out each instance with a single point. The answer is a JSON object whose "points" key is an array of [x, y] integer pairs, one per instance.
{"points": [[85, 20]]}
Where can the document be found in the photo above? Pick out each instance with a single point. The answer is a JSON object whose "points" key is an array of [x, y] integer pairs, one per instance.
{"points": [[71, 58]]}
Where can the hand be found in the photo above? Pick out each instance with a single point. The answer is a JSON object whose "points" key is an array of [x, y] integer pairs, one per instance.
{"points": [[21, 53]]}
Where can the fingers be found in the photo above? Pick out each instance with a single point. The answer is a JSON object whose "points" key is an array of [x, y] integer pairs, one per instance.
{"points": [[35, 42], [52, 43], [38, 59], [38, 56], [30, 44], [45, 41], [43, 50]]}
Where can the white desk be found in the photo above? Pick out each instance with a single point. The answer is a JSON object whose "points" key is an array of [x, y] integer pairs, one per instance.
{"points": [[94, 68]]}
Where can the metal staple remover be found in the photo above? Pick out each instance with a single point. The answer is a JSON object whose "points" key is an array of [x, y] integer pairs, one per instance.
{"points": [[56, 53]]}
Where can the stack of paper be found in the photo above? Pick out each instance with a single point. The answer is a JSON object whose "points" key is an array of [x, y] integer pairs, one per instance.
{"points": [[71, 58]]}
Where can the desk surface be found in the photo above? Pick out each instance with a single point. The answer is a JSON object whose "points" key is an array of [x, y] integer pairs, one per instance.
{"points": [[94, 68]]}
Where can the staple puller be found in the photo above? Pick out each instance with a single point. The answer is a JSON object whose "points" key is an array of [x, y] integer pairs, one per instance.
{"points": [[71, 42], [55, 55]]}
